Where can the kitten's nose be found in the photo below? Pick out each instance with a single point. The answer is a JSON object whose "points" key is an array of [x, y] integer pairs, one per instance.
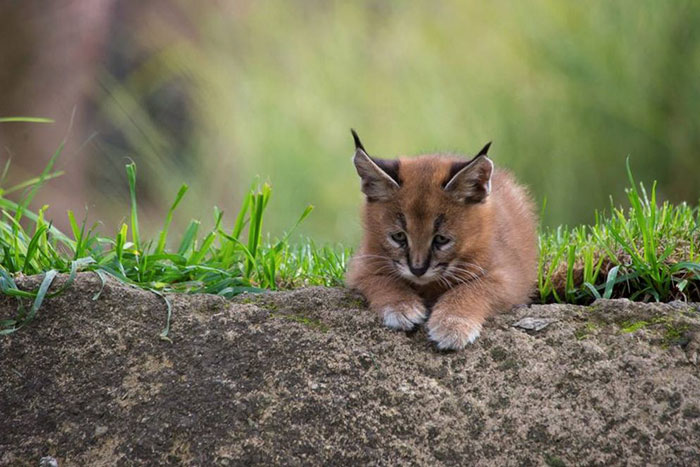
{"points": [[419, 271]]}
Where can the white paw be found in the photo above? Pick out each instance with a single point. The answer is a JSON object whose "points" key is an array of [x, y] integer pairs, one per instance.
{"points": [[453, 332], [403, 317]]}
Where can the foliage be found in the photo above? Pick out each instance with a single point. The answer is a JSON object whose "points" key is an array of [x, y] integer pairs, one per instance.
{"points": [[220, 261], [649, 252]]}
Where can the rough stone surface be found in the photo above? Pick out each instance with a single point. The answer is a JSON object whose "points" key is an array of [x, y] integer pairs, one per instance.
{"points": [[311, 377]]}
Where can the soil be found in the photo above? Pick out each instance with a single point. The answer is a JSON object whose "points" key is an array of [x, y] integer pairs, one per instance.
{"points": [[311, 377]]}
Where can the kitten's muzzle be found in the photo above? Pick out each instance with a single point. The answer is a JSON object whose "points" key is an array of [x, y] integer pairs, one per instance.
{"points": [[417, 265], [419, 271]]}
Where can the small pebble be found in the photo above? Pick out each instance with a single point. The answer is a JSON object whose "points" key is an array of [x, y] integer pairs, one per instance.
{"points": [[530, 323], [48, 461]]}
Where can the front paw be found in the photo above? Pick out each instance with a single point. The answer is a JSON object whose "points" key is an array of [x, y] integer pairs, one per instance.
{"points": [[453, 332], [403, 316]]}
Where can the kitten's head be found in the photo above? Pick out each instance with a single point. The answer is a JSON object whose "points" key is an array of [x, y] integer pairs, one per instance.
{"points": [[427, 219]]}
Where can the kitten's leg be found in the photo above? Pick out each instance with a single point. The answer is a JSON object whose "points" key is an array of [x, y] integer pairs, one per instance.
{"points": [[459, 313], [399, 306]]}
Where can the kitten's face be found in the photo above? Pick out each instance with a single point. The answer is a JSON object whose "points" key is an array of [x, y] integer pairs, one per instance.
{"points": [[422, 250], [425, 217]]}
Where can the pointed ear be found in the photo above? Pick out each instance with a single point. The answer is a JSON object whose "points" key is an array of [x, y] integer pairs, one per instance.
{"points": [[471, 182], [377, 183], [380, 177]]}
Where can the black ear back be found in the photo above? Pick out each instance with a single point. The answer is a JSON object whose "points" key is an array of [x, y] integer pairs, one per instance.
{"points": [[390, 167]]}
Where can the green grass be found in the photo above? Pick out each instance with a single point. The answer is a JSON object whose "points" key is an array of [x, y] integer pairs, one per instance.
{"points": [[220, 260], [647, 252]]}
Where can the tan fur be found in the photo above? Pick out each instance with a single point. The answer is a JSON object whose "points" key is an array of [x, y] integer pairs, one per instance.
{"points": [[494, 243]]}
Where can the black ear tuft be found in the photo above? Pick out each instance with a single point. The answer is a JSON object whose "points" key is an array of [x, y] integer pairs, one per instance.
{"points": [[358, 143], [484, 150]]}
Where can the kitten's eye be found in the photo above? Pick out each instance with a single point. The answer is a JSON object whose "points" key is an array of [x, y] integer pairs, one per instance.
{"points": [[440, 240], [399, 237]]}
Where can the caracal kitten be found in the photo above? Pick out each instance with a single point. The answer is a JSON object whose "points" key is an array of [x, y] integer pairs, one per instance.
{"points": [[447, 239]]}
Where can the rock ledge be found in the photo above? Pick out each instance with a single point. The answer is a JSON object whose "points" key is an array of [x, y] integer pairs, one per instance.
{"points": [[311, 376]]}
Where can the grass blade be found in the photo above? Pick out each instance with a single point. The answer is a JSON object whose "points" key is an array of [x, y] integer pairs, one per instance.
{"points": [[169, 310], [25, 120], [169, 218], [131, 175], [41, 294], [32, 247], [610, 282]]}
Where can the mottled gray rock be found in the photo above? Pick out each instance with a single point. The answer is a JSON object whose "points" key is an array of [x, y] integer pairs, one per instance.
{"points": [[311, 377]]}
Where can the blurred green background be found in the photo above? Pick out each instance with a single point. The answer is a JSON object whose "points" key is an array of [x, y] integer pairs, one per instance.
{"points": [[217, 93]]}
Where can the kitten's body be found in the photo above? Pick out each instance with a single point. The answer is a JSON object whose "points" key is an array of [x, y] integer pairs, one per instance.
{"points": [[487, 264]]}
